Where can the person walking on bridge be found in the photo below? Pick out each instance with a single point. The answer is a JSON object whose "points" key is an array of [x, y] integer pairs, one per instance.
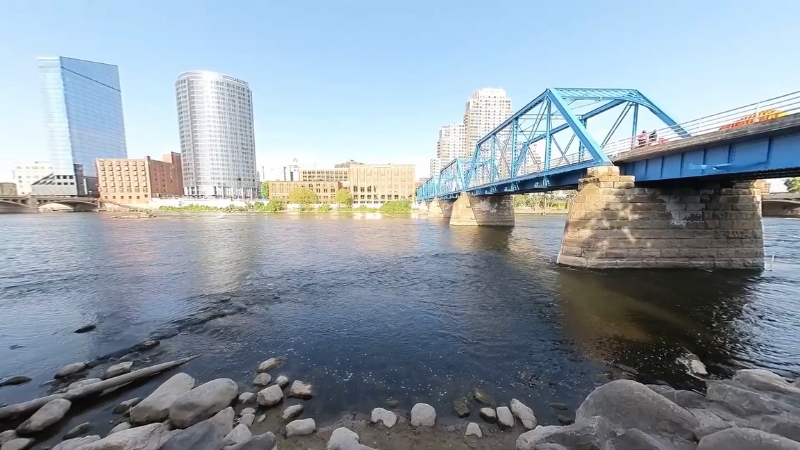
{"points": [[642, 138]]}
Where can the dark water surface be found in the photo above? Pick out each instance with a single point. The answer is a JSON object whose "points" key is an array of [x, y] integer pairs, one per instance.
{"points": [[369, 310]]}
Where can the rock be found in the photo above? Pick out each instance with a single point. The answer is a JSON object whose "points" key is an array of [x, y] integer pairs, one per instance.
{"points": [[344, 439], [146, 345], [588, 435], [300, 427], [270, 396], [86, 328], [223, 420], [247, 419], [764, 380], [262, 379], [78, 430], [282, 381], [70, 369], [686, 399], [17, 444], [461, 407], [200, 436], [786, 426], [524, 414], [488, 415], [290, 412], [423, 414], [15, 380], [8, 435], [120, 427], [126, 405], [118, 369], [238, 435], [392, 403], [264, 441], [709, 423], [634, 439], [82, 383], [50, 413], [272, 363], [564, 420], [302, 390], [745, 439], [261, 418], [473, 430], [380, 415], [559, 406], [628, 404], [156, 406], [202, 402], [147, 437], [74, 444], [693, 364], [248, 411], [482, 397], [505, 419], [247, 397], [741, 401]]}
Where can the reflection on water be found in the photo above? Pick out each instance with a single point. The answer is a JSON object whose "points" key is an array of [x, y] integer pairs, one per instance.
{"points": [[371, 309]]}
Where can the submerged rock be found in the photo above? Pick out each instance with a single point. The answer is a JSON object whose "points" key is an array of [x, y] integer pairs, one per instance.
{"points": [[262, 379], [482, 397], [302, 390], [155, 407], [473, 429], [693, 364], [126, 405], [461, 407], [86, 328], [282, 381], [524, 414], [300, 427], [247, 397], [392, 403], [344, 439], [47, 415], [380, 415], [290, 412], [488, 415], [505, 419], [423, 414], [270, 396], [118, 369], [202, 402], [78, 430], [559, 406], [14, 381], [272, 363], [74, 444], [70, 369]]}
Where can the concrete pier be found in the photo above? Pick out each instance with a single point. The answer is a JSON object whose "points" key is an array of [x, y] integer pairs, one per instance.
{"points": [[440, 209], [469, 210]]}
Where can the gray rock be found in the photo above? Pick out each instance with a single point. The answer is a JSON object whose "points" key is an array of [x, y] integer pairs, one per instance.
{"points": [[380, 415], [126, 405], [8, 435], [783, 425], [524, 414], [742, 401], [564, 420], [73, 444], [78, 430], [473, 430], [764, 380], [634, 439], [709, 422], [693, 364], [14, 381], [488, 415], [147, 437], [745, 439], [272, 363], [247, 397], [70, 369], [392, 403], [86, 328], [247, 419], [482, 397], [118, 369], [238, 435], [17, 444], [202, 402], [261, 418], [122, 426], [628, 404], [549, 447], [559, 406], [47, 415], [300, 389], [686, 399], [344, 439], [423, 414], [156, 406], [282, 381], [300, 427], [262, 379], [264, 441], [82, 383], [461, 407], [201, 436], [270, 396], [589, 435], [223, 420], [291, 412], [248, 411], [505, 419]]}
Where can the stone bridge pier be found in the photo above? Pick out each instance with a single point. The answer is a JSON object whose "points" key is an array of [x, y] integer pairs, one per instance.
{"points": [[439, 209], [483, 211], [613, 224]]}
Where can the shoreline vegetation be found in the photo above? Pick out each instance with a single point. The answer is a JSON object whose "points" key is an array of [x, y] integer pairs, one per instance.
{"points": [[273, 206]]}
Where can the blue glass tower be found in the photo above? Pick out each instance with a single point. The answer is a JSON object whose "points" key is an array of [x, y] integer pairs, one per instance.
{"points": [[83, 118]]}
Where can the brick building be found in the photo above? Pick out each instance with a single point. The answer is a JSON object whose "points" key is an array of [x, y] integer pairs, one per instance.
{"points": [[325, 190], [380, 183], [122, 180]]}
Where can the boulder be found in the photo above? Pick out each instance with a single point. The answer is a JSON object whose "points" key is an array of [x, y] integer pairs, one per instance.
{"points": [[686, 399], [247, 419], [15, 380], [745, 439], [223, 420], [461, 407], [126, 405], [270, 396], [423, 414], [86, 328], [300, 427], [505, 419], [156, 406], [78, 430], [524, 414], [272, 363], [70, 369], [482, 397], [783, 425], [50, 413], [282, 381], [74, 444], [302, 390], [380, 415], [247, 397], [628, 404], [147, 437], [264, 441], [122, 426], [344, 439], [17, 444], [634, 439], [488, 415], [82, 383], [742, 401], [202, 402], [7, 435], [290, 412], [262, 379], [118, 369], [473, 430], [764, 380], [708, 422], [201, 436], [587, 435], [238, 435]]}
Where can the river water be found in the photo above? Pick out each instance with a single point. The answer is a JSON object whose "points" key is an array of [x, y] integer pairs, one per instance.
{"points": [[371, 308]]}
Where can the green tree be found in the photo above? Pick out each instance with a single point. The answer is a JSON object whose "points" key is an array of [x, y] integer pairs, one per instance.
{"points": [[265, 189], [344, 198], [303, 197], [792, 185], [396, 206]]}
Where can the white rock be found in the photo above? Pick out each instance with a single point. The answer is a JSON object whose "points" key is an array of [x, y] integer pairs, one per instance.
{"points": [[202, 402], [473, 430], [126, 405], [155, 407], [270, 396], [248, 411], [118, 369], [262, 379], [70, 369], [380, 415], [73, 444], [238, 435], [290, 412], [300, 389], [504, 417], [423, 414], [50, 413], [269, 364], [8, 435], [224, 420], [247, 419], [147, 437], [82, 383], [344, 439], [262, 418], [488, 415], [300, 427], [282, 381], [247, 397], [120, 427], [524, 414], [17, 444], [693, 364]]}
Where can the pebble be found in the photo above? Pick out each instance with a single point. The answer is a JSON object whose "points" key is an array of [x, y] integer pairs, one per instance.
{"points": [[70, 369], [247, 419], [482, 397], [126, 405], [461, 407], [282, 381], [83, 383], [392, 403], [118, 369], [524, 414], [300, 427], [380, 415], [504, 418], [488, 415], [262, 418], [248, 411], [270, 396], [559, 406], [473, 430]]}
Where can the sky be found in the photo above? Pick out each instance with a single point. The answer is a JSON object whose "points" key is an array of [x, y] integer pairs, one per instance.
{"points": [[374, 80]]}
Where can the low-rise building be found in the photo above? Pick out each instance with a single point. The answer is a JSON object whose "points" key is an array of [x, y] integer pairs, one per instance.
{"points": [[339, 175], [380, 183], [126, 181], [8, 189], [25, 174], [325, 190]]}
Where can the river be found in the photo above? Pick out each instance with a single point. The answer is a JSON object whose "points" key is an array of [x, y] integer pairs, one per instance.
{"points": [[369, 309]]}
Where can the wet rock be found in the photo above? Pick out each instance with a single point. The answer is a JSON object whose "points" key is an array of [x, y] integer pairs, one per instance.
{"points": [[300, 427], [261, 418], [524, 414], [783, 425], [488, 415], [741, 401], [344, 439], [247, 397], [587, 435], [564, 420], [686, 399], [693, 364], [200, 436], [264, 441], [628, 404], [202, 402], [745, 439], [126, 405], [482, 397], [247, 419], [270, 396], [392, 403], [559, 406], [17, 444], [118, 369], [505, 419], [634, 439], [70, 369], [82, 383], [262, 379], [14, 381], [473, 430], [764, 380], [380, 415], [423, 414], [290, 412], [146, 345], [709, 423], [238, 435], [47, 415], [120, 427], [282, 381], [78, 430], [8, 435], [302, 390], [223, 420], [147, 437], [74, 444], [86, 328], [272, 363], [248, 411], [461, 407], [156, 406]]}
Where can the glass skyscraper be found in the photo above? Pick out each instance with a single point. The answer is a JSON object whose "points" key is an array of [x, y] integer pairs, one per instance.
{"points": [[83, 118]]}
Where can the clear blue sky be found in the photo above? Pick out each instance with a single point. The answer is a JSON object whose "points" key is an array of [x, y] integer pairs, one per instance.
{"points": [[374, 80]]}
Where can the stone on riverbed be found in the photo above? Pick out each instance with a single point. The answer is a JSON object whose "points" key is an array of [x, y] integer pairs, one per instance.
{"points": [[74, 444], [270, 396], [262, 379], [83, 383], [118, 369], [380, 415], [238, 435], [290, 412], [272, 363], [247, 419], [745, 439], [50, 413], [14, 381], [473, 429], [70, 369], [120, 427], [344, 439], [248, 411], [423, 414], [126, 405], [202, 402], [247, 397], [505, 419], [300, 427], [461, 407], [282, 381], [302, 390], [18, 444], [78, 430], [224, 420], [156, 406], [488, 415], [482, 397], [86, 328], [524, 414]]}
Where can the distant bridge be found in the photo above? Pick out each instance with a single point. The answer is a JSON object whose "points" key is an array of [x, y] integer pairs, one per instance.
{"points": [[30, 203], [780, 205]]}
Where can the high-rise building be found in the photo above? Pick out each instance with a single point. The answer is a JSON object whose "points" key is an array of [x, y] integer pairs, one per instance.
{"points": [[25, 174], [129, 181], [83, 120], [292, 171], [215, 114], [451, 143], [487, 109], [435, 167]]}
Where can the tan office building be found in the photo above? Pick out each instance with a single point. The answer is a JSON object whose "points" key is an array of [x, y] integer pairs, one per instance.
{"points": [[380, 183], [339, 175], [139, 180], [325, 190], [8, 189]]}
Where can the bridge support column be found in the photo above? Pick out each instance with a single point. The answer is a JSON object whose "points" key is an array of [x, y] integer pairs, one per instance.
{"points": [[423, 209], [484, 211], [612, 224], [440, 209]]}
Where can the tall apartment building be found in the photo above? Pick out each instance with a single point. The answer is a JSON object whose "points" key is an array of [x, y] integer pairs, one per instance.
{"points": [[83, 121], [435, 167], [215, 114], [487, 109], [128, 181], [25, 174], [380, 183]]}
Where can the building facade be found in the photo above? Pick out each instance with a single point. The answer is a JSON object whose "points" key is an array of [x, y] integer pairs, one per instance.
{"points": [[136, 181], [380, 183], [8, 189], [346, 164], [215, 115], [435, 167], [25, 174], [325, 190], [487, 109], [339, 175], [83, 122], [451, 143], [292, 171]]}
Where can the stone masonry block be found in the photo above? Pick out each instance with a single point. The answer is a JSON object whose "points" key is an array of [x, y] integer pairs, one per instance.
{"points": [[623, 184]]}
